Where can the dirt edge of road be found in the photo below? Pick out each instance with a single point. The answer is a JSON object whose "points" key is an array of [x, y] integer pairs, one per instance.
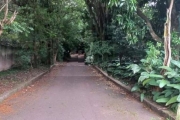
{"points": [[21, 85]]}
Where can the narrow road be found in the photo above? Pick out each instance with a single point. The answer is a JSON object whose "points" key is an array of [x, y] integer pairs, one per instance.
{"points": [[73, 91]]}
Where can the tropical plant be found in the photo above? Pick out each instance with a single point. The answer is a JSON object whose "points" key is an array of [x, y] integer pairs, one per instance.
{"points": [[169, 93]]}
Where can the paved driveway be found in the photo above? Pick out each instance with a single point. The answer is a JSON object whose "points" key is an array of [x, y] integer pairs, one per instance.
{"points": [[74, 92]]}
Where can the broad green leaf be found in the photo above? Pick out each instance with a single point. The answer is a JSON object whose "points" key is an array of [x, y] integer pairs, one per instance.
{"points": [[162, 83], [141, 78], [156, 95], [135, 68], [177, 63], [176, 86], [177, 77], [166, 68], [155, 92], [135, 88], [118, 64], [153, 82], [171, 74], [146, 81], [144, 75], [178, 98], [121, 4], [155, 76], [174, 105], [168, 93], [162, 100], [172, 100]]}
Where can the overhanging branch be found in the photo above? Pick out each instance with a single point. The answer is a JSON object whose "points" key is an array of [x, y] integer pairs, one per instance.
{"points": [[148, 23]]}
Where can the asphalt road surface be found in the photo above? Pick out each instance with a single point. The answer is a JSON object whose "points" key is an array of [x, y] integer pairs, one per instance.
{"points": [[74, 91]]}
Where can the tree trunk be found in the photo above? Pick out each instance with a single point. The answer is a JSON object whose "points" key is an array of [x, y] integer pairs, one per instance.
{"points": [[49, 53], [167, 37], [35, 53], [55, 56], [98, 11]]}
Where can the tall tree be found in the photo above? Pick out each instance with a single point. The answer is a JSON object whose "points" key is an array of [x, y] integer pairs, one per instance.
{"points": [[5, 20], [100, 14]]}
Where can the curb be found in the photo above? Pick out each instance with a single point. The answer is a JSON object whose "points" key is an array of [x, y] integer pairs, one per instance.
{"points": [[22, 85], [152, 105]]}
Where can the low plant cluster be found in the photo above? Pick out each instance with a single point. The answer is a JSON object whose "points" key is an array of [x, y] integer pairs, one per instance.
{"points": [[158, 82], [163, 89], [145, 76]]}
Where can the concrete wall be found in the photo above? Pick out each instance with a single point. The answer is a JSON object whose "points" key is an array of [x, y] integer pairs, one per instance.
{"points": [[6, 58]]}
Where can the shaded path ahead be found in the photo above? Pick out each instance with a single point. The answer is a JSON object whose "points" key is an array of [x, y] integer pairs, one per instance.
{"points": [[74, 92]]}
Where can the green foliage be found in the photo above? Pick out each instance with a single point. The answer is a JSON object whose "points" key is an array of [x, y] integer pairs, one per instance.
{"points": [[8, 72], [45, 28], [121, 71], [130, 5], [150, 78], [175, 45], [23, 59], [43, 54], [60, 54], [134, 32], [169, 84], [16, 27], [153, 58], [100, 50], [135, 68]]}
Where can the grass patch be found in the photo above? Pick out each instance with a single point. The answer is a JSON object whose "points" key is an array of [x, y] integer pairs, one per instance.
{"points": [[9, 72]]}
